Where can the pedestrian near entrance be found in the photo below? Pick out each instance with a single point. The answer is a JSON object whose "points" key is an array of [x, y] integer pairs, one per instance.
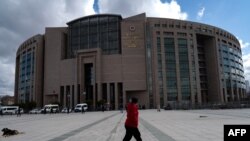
{"points": [[1, 112], [158, 108], [131, 124], [121, 108], [83, 110], [19, 112], [103, 108], [44, 111]]}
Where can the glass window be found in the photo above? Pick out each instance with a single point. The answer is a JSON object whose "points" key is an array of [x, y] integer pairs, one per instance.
{"points": [[95, 32]]}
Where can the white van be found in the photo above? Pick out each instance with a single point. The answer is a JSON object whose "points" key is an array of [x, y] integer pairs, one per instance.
{"points": [[78, 107], [9, 109], [49, 107]]}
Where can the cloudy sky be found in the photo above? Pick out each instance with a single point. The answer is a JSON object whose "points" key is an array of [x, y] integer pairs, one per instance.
{"points": [[21, 19]]}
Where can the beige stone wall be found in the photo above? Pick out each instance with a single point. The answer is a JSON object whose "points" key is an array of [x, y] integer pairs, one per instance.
{"points": [[52, 60], [111, 69], [107, 69], [38, 89], [67, 72], [133, 58]]}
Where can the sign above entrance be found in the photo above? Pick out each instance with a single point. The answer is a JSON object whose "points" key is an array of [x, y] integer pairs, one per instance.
{"points": [[132, 37]]}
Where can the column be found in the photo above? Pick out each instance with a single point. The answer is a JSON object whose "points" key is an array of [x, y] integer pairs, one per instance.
{"points": [[99, 91], [75, 94], [65, 97], [108, 94], [232, 91], [116, 96], [238, 94], [225, 91], [94, 95], [124, 99]]}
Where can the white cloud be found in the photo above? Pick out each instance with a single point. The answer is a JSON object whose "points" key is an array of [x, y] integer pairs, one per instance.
{"points": [[246, 62], [23, 19], [246, 57], [200, 13], [243, 44], [77, 8], [7, 78], [153, 8]]}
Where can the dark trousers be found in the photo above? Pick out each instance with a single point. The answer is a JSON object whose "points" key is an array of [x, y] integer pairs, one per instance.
{"points": [[131, 131]]}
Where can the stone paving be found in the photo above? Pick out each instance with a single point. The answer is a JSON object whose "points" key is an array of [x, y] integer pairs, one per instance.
{"points": [[189, 125]]}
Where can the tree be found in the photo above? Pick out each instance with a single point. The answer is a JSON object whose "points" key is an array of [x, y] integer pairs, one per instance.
{"points": [[27, 106], [101, 102]]}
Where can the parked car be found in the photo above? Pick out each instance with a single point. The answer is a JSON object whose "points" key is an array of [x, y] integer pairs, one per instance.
{"points": [[21, 110], [168, 107], [51, 108], [10, 109], [35, 111], [65, 110], [78, 107]]}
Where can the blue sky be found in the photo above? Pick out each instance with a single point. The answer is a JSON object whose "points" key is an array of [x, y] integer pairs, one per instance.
{"points": [[22, 19], [231, 15]]}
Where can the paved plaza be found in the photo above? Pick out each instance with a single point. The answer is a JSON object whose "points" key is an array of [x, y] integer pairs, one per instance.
{"points": [[180, 125]]}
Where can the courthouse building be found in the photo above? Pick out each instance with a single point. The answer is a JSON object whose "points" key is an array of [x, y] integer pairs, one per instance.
{"points": [[108, 58]]}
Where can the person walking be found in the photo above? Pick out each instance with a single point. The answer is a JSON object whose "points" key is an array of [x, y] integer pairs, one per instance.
{"points": [[45, 110], [83, 110], [103, 108], [68, 110], [121, 108], [1, 112], [18, 112], [158, 108], [131, 124]]}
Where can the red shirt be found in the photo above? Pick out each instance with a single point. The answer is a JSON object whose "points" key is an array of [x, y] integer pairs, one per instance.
{"points": [[132, 115]]}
